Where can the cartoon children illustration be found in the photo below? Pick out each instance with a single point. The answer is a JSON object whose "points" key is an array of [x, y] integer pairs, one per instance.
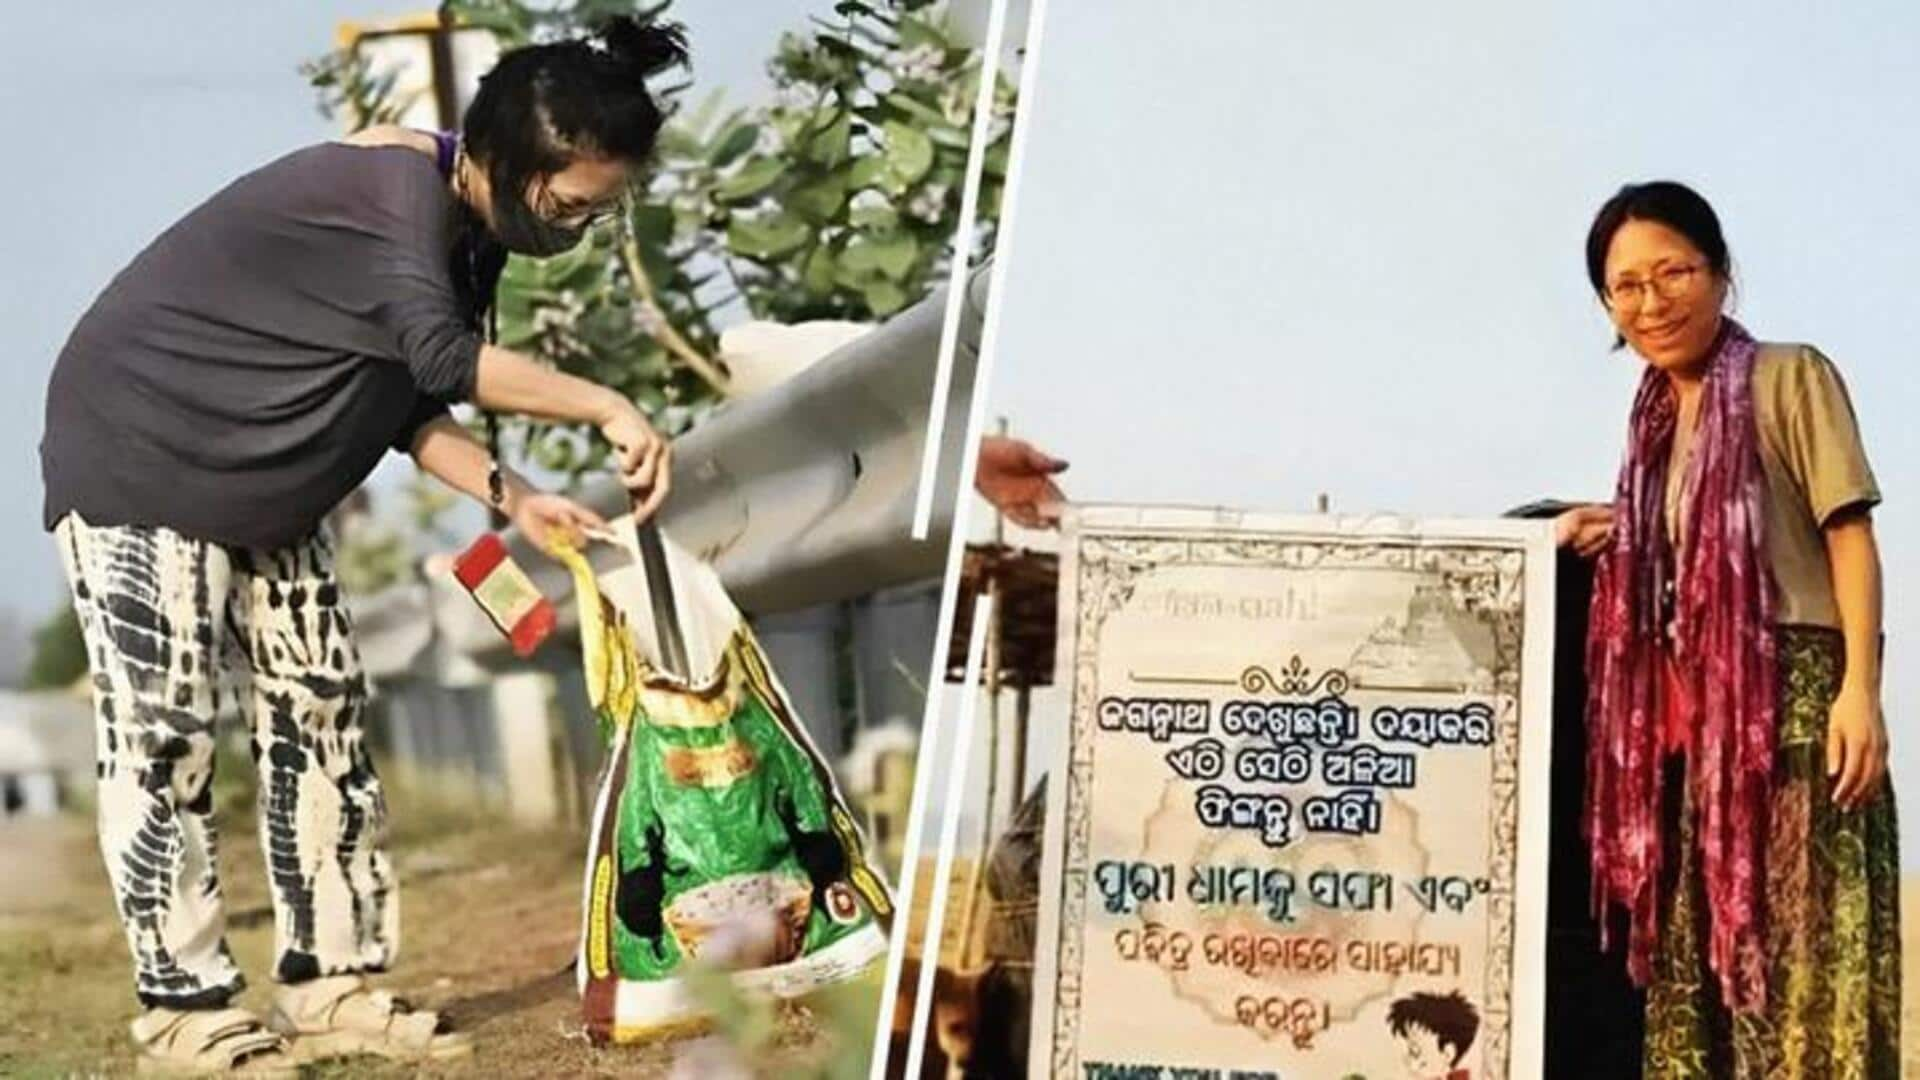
{"points": [[1435, 1031]]}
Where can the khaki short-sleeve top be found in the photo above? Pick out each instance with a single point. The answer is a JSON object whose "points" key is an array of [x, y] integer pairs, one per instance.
{"points": [[1814, 466]]}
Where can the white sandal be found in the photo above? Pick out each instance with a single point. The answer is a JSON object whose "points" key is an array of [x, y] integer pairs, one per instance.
{"points": [[203, 1042], [343, 1015]]}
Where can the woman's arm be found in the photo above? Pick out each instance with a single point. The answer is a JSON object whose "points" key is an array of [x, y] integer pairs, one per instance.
{"points": [[449, 453], [1856, 731], [509, 382]]}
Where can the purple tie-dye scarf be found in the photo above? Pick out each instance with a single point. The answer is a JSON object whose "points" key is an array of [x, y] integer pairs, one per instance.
{"points": [[1723, 643]]}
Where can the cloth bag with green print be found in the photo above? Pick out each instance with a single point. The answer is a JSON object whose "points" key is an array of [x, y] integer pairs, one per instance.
{"points": [[719, 834]]}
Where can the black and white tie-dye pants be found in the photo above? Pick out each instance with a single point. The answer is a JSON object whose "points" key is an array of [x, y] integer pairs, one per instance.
{"points": [[171, 626]]}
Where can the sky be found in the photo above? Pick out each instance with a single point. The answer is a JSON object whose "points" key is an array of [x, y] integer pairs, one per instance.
{"points": [[1287, 249], [121, 123]]}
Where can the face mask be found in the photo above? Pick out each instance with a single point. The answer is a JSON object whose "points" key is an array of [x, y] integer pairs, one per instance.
{"points": [[524, 232]]}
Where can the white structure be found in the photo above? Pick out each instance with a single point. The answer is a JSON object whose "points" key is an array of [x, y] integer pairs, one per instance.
{"points": [[46, 750]]}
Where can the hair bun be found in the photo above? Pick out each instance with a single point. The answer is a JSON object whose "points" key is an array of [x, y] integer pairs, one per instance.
{"points": [[647, 47]]}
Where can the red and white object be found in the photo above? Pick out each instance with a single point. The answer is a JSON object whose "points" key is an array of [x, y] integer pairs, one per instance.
{"points": [[505, 593]]}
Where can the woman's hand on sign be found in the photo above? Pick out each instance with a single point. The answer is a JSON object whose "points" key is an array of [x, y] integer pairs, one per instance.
{"points": [[1018, 480], [1585, 529], [1856, 746], [643, 459], [548, 519]]}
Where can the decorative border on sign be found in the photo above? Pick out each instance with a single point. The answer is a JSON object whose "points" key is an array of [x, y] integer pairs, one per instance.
{"points": [[1485, 578]]}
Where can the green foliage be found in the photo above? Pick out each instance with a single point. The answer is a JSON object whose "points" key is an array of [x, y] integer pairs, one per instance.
{"points": [[59, 652], [348, 87], [376, 554], [840, 199], [372, 557]]}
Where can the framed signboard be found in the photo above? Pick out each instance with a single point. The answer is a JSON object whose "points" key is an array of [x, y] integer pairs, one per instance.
{"points": [[1298, 825]]}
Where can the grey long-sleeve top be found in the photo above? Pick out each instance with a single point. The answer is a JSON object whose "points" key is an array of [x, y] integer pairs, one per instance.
{"points": [[250, 367]]}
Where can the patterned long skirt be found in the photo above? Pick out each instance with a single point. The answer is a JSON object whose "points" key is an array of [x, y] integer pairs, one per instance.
{"points": [[1832, 917]]}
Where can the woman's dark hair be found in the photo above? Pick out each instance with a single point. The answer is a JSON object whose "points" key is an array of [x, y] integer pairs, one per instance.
{"points": [[1668, 202], [544, 105]]}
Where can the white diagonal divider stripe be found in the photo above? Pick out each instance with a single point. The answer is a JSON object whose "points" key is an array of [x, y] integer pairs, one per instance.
{"points": [[930, 727], [943, 865], [957, 285]]}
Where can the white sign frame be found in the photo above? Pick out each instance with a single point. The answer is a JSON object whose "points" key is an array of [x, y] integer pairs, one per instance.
{"points": [[1106, 549]]}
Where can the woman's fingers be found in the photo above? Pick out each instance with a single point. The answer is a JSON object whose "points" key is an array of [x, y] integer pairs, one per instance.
{"points": [[561, 525], [644, 463], [536, 530], [1040, 461], [638, 466], [1868, 781], [1861, 766], [647, 506], [1584, 528], [1846, 791], [649, 488], [1862, 770], [1875, 773], [642, 478], [587, 519], [1566, 529], [1589, 534], [634, 447]]}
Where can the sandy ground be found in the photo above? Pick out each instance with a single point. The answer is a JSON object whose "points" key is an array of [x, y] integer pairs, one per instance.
{"points": [[489, 919]]}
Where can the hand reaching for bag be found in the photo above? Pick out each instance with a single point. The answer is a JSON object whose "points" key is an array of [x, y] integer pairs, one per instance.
{"points": [[545, 519], [645, 460]]}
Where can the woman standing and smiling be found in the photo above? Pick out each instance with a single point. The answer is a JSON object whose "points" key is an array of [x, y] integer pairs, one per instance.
{"points": [[229, 387], [1738, 805]]}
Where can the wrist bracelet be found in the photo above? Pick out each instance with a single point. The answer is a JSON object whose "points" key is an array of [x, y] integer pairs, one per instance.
{"points": [[496, 487]]}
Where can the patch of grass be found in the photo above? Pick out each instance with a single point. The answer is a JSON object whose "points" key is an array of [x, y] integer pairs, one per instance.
{"points": [[65, 997], [490, 917]]}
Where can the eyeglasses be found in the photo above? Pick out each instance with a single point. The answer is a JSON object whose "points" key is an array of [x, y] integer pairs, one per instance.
{"points": [[567, 216], [1670, 282]]}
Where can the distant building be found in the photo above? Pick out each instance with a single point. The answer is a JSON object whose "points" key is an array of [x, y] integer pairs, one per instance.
{"points": [[46, 751]]}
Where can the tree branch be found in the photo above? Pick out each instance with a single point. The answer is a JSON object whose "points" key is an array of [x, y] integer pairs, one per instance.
{"points": [[658, 326]]}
